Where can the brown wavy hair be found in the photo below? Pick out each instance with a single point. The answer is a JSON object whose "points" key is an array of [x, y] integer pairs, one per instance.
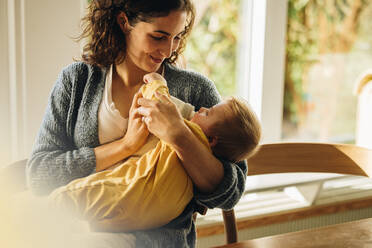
{"points": [[239, 135], [105, 41]]}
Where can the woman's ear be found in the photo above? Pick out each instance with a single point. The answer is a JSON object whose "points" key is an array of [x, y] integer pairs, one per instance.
{"points": [[122, 20], [213, 141]]}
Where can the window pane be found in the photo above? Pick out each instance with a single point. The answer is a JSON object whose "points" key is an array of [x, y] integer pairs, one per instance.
{"points": [[329, 45], [211, 49]]}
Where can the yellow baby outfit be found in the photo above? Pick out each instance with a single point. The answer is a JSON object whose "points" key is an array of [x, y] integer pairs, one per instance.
{"points": [[143, 192]]}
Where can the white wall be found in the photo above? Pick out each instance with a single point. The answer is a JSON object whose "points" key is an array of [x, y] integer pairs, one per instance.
{"points": [[4, 86], [36, 46]]}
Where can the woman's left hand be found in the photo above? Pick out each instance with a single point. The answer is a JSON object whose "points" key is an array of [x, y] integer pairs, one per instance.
{"points": [[164, 121], [162, 117]]}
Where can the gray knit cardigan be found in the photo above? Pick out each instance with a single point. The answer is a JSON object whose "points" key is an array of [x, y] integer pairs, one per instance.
{"points": [[63, 150]]}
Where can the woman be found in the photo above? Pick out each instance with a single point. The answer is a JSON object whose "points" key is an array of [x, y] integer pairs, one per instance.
{"points": [[94, 103]]}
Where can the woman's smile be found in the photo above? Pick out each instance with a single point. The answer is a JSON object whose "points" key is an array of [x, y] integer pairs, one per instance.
{"points": [[156, 60]]}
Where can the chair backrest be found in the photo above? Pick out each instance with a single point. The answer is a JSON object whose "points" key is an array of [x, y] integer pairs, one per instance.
{"points": [[311, 157], [304, 157]]}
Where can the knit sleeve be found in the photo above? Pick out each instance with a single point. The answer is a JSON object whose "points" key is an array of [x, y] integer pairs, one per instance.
{"points": [[229, 191], [198, 90], [55, 160], [205, 94]]}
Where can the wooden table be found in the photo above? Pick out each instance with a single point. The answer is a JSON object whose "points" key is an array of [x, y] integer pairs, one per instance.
{"points": [[355, 234]]}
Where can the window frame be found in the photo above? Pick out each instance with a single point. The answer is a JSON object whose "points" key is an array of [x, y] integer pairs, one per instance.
{"points": [[261, 62]]}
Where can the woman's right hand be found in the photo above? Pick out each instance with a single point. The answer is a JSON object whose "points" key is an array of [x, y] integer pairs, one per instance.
{"points": [[137, 131], [110, 153]]}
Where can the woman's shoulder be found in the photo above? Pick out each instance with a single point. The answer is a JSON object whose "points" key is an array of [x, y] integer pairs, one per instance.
{"points": [[80, 68], [80, 73], [177, 74], [191, 86], [75, 77]]}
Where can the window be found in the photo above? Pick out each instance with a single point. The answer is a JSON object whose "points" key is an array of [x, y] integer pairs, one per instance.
{"points": [[211, 49], [253, 34], [263, 77], [329, 45]]}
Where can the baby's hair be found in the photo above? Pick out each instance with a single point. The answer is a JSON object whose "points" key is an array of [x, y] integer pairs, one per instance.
{"points": [[239, 134]]}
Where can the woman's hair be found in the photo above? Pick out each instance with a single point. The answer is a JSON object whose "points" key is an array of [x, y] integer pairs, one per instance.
{"points": [[105, 40], [239, 134]]}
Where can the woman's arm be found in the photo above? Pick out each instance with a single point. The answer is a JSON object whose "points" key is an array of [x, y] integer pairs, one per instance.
{"points": [[201, 92], [218, 183], [165, 122], [227, 194], [55, 159], [136, 135], [204, 169]]}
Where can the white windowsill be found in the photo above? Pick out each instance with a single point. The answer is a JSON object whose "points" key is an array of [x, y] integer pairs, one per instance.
{"points": [[270, 200]]}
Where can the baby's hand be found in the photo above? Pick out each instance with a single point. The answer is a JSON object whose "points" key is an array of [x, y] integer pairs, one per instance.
{"points": [[153, 76]]}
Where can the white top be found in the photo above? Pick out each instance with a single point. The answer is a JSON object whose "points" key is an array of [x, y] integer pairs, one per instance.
{"points": [[112, 126]]}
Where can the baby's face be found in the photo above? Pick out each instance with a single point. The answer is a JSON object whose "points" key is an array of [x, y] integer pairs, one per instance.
{"points": [[207, 118]]}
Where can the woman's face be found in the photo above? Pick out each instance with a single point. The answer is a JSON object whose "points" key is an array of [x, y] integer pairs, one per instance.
{"points": [[149, 43]]}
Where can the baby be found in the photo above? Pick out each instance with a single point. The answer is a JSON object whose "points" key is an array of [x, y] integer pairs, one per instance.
{"points": [[152, 188]]}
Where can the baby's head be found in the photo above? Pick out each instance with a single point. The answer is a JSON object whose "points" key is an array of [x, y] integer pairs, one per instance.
{"points": [[232, 128]]}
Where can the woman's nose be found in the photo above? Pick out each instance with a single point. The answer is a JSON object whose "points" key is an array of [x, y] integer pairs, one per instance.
{"points": [[167, 49]]}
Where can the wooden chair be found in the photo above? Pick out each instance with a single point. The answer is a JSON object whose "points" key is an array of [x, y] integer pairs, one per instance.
{"points": [[311, 157], [304, 157]]}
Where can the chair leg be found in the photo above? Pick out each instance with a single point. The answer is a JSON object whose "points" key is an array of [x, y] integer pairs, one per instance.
{"points": [[230, 226]]}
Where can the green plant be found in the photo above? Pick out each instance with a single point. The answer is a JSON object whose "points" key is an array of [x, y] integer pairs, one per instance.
{"points": [[211, 48], [315, 27]]}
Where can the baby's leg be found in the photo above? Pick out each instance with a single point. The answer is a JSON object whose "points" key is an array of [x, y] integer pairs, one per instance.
{"points": [[93, 197]]}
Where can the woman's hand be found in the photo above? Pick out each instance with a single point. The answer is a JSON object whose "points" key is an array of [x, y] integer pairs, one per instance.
{"points": [[137, 131], [136, 135], [162, 118], [164, 121]]}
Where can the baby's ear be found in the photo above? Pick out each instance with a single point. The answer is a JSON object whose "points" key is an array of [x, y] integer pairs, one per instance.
{"points": [[213, 141]]}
